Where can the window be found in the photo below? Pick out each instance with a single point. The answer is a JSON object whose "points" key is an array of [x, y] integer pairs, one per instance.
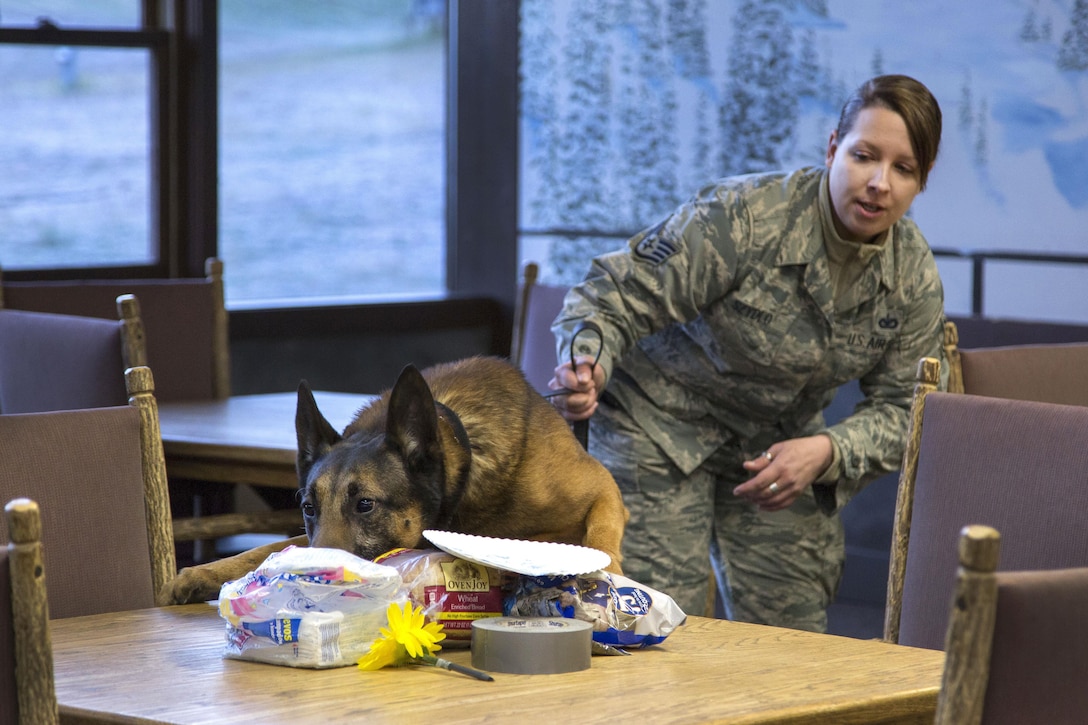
{"points": [[78, 188], [426, 197], [332, 148]]}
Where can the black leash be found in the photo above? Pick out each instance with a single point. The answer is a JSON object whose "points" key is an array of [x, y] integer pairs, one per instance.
{"points": [[581, 427]]}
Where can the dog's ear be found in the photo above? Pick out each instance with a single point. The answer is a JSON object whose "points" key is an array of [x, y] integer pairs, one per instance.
{"points": [[315, 435], [412, 424]]}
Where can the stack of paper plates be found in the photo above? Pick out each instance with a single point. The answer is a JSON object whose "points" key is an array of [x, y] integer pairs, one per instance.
{"points": [[535, 558]]}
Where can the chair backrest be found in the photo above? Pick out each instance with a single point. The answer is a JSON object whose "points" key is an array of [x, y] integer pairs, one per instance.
{"points": [[1016, 646], [59, 362], [185, 321], [1018, 466], [1039, 638], [1046, 373], [27, 692], [100, 478], [533, 347]]}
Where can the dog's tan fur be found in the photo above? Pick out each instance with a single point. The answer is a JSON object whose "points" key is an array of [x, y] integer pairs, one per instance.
{"points": [[486, 455]]}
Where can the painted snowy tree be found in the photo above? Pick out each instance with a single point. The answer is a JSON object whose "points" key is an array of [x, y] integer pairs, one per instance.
{"points": [[759, 108], [539, 108], [686, 22], [807, 72], [966, 107], [1029, 30], [584, 142], [876, 65], [982, 139], [1073, 53], [647, 119]]}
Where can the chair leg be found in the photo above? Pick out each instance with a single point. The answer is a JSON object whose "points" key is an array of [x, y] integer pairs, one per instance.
{"points": [[192, 499], [711, 594]]}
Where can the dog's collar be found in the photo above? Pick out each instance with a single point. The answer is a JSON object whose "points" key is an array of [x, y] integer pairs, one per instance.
{"points": [[459, 432]]}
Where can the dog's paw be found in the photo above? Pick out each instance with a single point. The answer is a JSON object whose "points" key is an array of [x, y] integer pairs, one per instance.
{"points": [[192, 584]]}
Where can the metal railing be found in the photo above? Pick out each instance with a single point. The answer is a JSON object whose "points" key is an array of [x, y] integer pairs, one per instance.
{"points": [[977, 257]]}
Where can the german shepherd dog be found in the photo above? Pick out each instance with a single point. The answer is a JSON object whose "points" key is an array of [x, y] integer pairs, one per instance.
{"points": [[467, 446]]}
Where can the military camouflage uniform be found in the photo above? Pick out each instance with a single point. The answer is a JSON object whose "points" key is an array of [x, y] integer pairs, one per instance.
{"points": [[721, 337]]}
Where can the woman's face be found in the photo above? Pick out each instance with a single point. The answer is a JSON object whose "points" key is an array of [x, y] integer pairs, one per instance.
{"points": [[874, 176]]}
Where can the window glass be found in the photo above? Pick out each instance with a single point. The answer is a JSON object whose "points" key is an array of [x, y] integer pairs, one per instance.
{"points": [[72, 13], [332, 148], [75, 185]]}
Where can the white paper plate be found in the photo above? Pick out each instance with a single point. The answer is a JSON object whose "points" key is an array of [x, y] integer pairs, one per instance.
{"points": [[535, 558]]}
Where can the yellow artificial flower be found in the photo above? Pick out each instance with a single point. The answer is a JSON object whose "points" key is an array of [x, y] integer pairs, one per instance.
{"points": [[411, 639], [408, 637], [383, 653], [412, 630]]}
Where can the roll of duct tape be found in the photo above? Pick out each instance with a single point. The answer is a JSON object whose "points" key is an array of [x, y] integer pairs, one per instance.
{"points": [[531, 646]]}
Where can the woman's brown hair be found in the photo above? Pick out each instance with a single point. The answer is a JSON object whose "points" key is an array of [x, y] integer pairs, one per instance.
{"points": [[914, 104]]}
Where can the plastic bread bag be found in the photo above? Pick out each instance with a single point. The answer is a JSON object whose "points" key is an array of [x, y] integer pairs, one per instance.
{"points": [[308, 607], [624, 613], [452, 591]]}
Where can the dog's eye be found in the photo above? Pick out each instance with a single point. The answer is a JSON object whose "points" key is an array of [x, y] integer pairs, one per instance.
{"points": [[307, 509], [364, 506]]}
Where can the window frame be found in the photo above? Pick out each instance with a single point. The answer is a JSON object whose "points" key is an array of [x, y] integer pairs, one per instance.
{"points": [[481, 141], [173, 135]]}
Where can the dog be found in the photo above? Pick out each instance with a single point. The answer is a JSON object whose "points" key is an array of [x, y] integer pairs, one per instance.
{"points": [[467, 446]]}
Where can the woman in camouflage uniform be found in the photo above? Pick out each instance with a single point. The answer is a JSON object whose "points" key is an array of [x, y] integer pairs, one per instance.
{"points": [[727, 329]]}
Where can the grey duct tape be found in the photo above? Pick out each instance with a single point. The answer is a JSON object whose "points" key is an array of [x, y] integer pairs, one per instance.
{"points": [[531, 646]]}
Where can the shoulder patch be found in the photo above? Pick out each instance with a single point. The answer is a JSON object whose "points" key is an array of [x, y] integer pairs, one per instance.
{"points": [[654, 249]]}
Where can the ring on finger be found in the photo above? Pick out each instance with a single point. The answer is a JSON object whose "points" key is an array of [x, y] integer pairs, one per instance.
{"points": [[773, 488], [768, 455]]}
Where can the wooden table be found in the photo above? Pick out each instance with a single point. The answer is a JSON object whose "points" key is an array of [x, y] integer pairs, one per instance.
{"points": [[166, 665], [245, 438]]}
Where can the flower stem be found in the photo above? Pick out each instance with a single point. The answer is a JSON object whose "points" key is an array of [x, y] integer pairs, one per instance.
{"points": [[453, 666]]}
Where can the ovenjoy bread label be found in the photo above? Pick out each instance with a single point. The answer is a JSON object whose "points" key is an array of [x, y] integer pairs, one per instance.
{"points": [[465, 576]]}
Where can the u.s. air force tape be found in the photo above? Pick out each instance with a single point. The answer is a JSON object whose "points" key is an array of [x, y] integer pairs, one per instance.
{"points": [[531, 646]]}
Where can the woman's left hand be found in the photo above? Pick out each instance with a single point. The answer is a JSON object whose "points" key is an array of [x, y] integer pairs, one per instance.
{"points": [[784, 470]]}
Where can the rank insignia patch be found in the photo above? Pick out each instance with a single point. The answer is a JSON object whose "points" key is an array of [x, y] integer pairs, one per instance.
{"points": [[655, 250]]}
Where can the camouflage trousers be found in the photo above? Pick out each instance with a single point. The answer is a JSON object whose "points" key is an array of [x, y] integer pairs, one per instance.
{"points": [[780, 568]]}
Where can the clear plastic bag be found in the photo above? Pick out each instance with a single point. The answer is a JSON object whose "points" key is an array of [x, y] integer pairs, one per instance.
{"points": [[308, 607], [624, 613]]}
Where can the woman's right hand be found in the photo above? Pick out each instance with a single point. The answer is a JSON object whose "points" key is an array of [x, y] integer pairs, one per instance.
{"points": [[584, 383]]}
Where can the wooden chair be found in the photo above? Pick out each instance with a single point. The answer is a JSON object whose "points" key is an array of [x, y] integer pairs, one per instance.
{"points": [[179, 327], [533, 347], [533, 344], [1018, 466], [181, 324], [27, 692], [188, 497], [54, 362], [1051, 373], [59, 362], [1016, 646], [100, 478]]}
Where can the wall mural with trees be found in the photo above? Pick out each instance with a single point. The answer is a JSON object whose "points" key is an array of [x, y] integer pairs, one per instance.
{"points": [[629, 106]]}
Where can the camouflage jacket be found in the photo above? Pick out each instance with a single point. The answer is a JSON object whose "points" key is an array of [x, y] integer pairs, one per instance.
{"points": [[719, 326]]}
